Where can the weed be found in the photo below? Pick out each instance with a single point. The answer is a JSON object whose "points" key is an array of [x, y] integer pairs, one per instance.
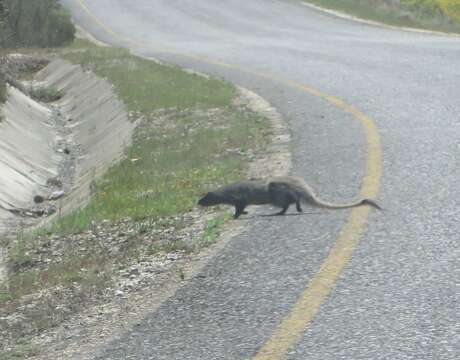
{"points": [[5, 295], [212, 230], [19, 257], [23, 283], [46, 94], [168, 247]]}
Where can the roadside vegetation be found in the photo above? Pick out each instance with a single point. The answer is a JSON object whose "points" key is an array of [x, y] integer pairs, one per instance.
{"points": [[439, 15], [37, 23], [192, 133], [25, 23], [450, 8]]}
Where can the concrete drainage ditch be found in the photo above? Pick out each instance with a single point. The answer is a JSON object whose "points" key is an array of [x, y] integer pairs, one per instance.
{"points": [[51, 153]]}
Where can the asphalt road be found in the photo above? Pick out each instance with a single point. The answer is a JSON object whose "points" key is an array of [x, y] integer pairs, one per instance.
{"points": [[396, 298]]}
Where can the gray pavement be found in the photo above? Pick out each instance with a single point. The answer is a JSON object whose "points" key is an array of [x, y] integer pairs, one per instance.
{"points": [[396, 299]]}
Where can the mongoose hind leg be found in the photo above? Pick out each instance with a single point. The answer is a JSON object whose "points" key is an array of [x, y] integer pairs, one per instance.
{"points": [[283, 211], [283, 199], [298, 207]]}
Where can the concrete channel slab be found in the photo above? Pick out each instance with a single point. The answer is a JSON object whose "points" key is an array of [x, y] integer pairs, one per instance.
{"points": [[97, 122], [28, 157]]}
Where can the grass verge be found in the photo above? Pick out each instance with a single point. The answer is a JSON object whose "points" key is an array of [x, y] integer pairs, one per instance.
{"points": [[191, 134], [406, 13]]}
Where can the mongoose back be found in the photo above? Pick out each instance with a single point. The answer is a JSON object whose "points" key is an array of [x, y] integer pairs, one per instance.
{"points": [[280, 192]]}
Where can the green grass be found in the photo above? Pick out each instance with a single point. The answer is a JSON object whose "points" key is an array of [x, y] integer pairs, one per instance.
{"points": [[146, 86], [212, 230], [175, 154], [410, 13]]}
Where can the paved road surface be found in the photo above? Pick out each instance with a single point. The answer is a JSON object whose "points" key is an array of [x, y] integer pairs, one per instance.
{"points": [[396, 298]]}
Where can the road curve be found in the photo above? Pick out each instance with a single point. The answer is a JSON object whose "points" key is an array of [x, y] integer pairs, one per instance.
{"points": [[396, 297]]}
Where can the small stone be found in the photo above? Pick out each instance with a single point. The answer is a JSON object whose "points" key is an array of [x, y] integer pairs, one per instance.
{"points": [[56, 195], [38, 199], [134, 271]]}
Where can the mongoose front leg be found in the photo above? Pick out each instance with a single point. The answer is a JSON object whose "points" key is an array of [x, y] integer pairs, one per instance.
{"points": [[239, 209]]}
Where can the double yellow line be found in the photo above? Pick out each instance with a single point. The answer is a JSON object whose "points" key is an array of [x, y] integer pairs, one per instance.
{"points": [[290, 330]]}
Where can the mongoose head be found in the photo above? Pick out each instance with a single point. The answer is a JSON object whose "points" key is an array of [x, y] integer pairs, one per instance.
{"points": [[210, 199]]}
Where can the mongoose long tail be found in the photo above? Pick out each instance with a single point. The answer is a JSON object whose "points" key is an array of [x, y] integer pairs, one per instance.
{"points": [[299, 189]]}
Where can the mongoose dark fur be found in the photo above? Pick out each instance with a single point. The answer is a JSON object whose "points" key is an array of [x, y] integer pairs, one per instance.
{"points": [[280, 192]]}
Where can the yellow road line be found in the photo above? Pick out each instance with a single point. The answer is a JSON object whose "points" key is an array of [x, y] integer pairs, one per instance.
{"points": [[289, 332], [291, 329]]}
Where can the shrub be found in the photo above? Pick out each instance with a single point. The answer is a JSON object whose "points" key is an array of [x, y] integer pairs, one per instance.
{"points": [[46, 94], [4, 30], [37, 23], [451, 8]]}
